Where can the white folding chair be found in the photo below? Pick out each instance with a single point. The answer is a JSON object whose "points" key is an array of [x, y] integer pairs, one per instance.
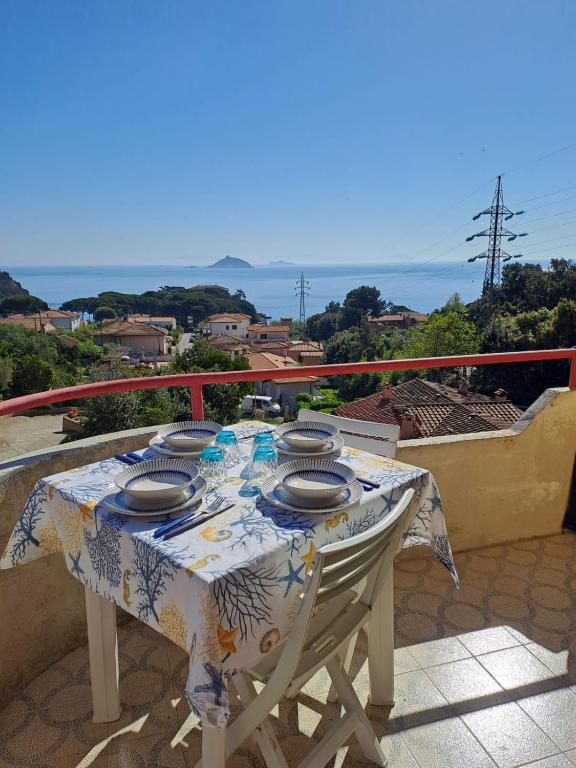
{"points": [[318, 639], [381, 439]]}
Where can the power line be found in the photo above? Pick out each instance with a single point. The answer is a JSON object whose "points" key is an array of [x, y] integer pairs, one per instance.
{"points": [[550, 216], [548, 194], [542, 157], [554, 202]]}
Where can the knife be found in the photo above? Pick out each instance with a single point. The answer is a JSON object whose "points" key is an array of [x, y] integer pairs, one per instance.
{"points": [[197, 520], [369, 483]]}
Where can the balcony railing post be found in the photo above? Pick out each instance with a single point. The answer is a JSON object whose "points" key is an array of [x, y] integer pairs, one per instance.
{"points": [[196, 401], [572, 379]]}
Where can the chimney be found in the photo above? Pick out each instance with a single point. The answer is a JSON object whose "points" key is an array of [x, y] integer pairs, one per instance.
{"points": [[463, 387], [407, 426], [387, 392], [501, 396]]}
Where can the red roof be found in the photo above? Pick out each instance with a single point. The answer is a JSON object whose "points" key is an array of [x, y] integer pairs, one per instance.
{"points": [[228, 315], [260, 361], [437, 409], [269, 328], [125, 328]]}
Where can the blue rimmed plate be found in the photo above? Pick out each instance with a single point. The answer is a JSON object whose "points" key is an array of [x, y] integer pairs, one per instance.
{"points": [[159, 480], [307, 435], [315, 478], [190, 435], [275, 493], [122, 504], [327, 451]]}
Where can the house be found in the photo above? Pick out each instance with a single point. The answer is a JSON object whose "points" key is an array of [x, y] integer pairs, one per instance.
{"points": [[227, 324], [233, 346], [46, 320], [397, 320], [306, 352], [36, 322], [145, 341], [261, 332], [283, 389], [67, 321], [169, 323], [275, 347], [425, 409]]}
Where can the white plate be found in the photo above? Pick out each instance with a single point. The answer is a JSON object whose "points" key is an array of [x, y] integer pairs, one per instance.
{"points": [[307, 435], [335, 444], [276, 494], [313, 478], [157, 480], [189, 435], [122, 504], [159, 446]]}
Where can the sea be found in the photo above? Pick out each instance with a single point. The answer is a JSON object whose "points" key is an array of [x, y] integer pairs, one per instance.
{"points": [[274, 290]]}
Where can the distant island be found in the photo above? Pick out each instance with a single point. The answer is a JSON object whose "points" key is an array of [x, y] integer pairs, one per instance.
{"points": [[281, 263], [229, 262]]}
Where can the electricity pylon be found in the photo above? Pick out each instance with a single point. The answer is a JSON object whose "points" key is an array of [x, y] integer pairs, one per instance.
{"points": [[498, 213], [303, 289]]}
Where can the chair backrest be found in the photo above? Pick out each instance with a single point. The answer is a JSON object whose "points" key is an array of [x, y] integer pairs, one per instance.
{"points": [[342, 566], [381, 439], [367, 555]]}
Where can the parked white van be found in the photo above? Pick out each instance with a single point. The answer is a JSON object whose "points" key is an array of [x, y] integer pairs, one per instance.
{"points": [[264, 403]]}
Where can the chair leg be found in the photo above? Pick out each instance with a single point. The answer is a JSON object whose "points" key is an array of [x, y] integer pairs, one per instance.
{"points": [[347, 656], [264, 733], [367, 738]]}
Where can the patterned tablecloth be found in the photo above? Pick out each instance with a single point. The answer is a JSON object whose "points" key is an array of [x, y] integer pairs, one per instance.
{"points": [[225, 592]]}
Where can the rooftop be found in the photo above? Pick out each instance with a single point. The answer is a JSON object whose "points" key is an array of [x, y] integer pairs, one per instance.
{"points": [[436, 408], [260, 361], [485, 676], [257, 328], [223, 316], [126, 328]]}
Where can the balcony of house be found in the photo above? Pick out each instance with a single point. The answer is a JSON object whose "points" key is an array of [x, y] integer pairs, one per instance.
{"points": [[485, 672]]}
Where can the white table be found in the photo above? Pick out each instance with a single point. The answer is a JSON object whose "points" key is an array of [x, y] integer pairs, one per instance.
{"points": [[192, 588]]}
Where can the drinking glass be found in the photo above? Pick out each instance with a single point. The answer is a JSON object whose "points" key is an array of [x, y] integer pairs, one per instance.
{"points": [[263, 439], [227, 441], [263, 464], [212, 467]]}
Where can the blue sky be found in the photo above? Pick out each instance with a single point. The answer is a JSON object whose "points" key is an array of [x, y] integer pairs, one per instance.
{"points": [[164, 131]]}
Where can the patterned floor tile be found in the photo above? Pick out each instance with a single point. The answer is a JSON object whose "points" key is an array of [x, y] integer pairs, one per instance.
{"points": [[511, 625]]}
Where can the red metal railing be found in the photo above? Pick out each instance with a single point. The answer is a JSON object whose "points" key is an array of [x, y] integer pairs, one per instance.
{"points": [[195, 381]]}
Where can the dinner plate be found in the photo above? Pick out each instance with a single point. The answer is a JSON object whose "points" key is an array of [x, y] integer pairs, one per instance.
{"points": [[307, 435], [189, 435], [336, 443], [122, 504], [313, 478], [275, 493], [157, 480], [159, 446]]}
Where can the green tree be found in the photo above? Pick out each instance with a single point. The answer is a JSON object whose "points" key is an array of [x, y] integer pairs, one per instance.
{"points": [[104, 313], [221, 401], [447, 332], [109, 413], [22, 303], [359, 303], [31, 374]]}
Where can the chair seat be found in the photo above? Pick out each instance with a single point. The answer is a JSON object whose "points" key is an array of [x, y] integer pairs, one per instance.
{"points": [[330, 629]]}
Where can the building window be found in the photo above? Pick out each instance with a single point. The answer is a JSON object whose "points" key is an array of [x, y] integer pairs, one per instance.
{"points": [[234, 327], [263, 335], [227, 327]]}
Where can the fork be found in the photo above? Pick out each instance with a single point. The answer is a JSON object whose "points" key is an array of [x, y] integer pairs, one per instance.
{"points": [[213, 506]]}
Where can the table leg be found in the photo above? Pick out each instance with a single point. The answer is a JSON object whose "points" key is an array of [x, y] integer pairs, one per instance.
{"points": [[213, 747], [381, 646], [103, 650]]}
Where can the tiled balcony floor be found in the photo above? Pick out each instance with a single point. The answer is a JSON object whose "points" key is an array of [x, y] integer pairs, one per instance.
{"points": [[485, 676]]}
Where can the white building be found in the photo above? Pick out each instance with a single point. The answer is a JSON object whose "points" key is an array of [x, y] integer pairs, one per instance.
{"points": [[227, 324]]}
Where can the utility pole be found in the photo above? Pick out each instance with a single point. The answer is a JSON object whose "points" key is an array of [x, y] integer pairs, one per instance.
{"points": [[303, 290], [494, 255]]}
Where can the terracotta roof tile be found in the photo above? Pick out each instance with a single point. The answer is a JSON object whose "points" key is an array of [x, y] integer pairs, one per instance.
{"points": [[437, 409]]}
